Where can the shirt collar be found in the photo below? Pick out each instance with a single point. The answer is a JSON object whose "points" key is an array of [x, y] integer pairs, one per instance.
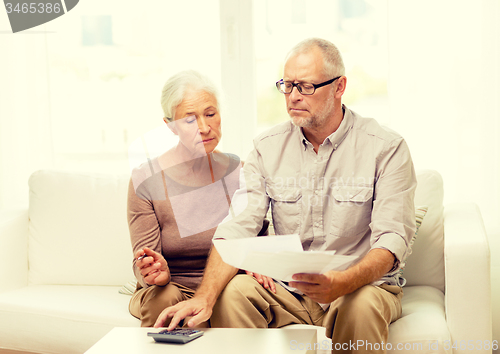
{"points": [[338, 136], [305, 142]]}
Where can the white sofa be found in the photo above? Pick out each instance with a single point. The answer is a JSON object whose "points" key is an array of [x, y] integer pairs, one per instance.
{"points": [[64, 260]]}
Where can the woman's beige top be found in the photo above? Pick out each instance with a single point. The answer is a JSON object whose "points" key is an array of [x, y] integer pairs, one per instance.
{"points": [[176, 220]]}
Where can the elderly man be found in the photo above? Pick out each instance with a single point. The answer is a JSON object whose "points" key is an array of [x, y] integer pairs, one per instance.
{"points": [[342, 183]]}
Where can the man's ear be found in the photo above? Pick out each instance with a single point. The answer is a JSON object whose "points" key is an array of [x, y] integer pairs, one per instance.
{"points": [[341, 86], [170, 125]]}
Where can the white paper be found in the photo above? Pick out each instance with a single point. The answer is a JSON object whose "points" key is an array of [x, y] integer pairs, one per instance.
{"points": [[278, 257], [234, 252]]}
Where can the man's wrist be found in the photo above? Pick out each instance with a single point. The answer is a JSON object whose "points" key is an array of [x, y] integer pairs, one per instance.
{"points": [[371, 268], [208, 292], [346, 281]]}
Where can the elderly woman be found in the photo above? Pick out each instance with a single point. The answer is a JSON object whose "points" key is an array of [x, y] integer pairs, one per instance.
{"points": [[176, 200]]}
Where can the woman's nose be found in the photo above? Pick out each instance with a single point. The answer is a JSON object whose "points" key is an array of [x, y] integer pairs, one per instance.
{"points": [[203, 126]]}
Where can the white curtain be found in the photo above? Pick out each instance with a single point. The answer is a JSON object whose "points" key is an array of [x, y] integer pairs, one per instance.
{"points": [[25, 134]]}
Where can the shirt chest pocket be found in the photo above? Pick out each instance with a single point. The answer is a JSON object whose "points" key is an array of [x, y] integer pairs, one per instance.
{"points": [[351, 210], [286, 207]]}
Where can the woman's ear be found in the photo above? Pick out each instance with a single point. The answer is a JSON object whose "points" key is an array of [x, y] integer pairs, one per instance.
{"points": [[170, 125]]}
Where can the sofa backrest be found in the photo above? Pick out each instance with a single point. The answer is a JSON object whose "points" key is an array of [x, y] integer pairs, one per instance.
{"points": [[425, 266], [78, 232]]}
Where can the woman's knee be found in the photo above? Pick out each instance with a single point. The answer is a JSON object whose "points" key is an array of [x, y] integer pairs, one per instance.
{"points": [[163, 296], [157, 298]]}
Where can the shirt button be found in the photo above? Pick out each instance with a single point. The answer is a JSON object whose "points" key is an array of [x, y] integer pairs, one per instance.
{"points": [[316, 192]]}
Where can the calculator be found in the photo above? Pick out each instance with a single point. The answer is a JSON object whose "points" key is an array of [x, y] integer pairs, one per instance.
{"points": [[177, 335]]}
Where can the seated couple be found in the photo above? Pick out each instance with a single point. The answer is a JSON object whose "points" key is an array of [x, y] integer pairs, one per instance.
{"points": [[358, 201]]}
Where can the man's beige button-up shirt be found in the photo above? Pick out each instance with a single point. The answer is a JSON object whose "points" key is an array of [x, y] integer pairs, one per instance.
{"points": [[355, 194]]}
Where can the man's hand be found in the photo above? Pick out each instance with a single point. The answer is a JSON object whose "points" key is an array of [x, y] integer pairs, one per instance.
{"points": [[266, 282], [197, 307], [327, 287], [154, 268], [322, 288]]}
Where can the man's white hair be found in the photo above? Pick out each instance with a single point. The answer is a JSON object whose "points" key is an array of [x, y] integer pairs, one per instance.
{"points": [[333, 65], [176, 87]]}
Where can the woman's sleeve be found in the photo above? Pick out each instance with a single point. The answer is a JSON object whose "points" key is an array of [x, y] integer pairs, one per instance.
{"points": [[143, 225]]}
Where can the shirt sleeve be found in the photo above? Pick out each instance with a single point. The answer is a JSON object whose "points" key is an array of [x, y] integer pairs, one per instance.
{"points": [[393, 214], [249, 204]]}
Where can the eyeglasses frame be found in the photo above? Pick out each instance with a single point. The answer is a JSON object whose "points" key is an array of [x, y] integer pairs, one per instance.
{"points": [[316, 86]]}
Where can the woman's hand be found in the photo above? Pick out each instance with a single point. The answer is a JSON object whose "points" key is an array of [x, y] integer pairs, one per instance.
{"points": [[153, 267], [266, 282]]}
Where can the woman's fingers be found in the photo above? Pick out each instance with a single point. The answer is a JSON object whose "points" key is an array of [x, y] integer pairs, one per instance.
{"points": [[266, 282]]}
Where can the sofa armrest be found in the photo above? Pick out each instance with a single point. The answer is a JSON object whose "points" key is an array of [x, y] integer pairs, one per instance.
{"points": [[468, 283], [14, 249]]}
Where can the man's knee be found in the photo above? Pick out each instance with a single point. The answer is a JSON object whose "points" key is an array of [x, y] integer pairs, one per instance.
{"points": [[363, 302], [239, 305], [359, 315], [242, 285]]}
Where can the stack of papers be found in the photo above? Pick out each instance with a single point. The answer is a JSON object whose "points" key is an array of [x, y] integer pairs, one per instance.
{"points": [[279, 257]]}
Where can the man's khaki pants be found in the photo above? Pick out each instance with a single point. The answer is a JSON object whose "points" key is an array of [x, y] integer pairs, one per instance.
{"points": [[363, 315]]}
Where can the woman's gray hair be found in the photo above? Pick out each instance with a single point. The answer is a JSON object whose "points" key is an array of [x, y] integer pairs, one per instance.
{"points": [[176, 87], [333, 65]]}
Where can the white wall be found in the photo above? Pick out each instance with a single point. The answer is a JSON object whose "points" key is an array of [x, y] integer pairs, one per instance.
{"points": [[444, 88]]}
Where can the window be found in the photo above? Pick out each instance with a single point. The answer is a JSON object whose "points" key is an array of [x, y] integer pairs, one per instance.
{"points": [[107, 66], [358, 28]]}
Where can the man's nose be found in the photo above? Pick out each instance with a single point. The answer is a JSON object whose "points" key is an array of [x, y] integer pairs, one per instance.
{"points": [[295, 95]]}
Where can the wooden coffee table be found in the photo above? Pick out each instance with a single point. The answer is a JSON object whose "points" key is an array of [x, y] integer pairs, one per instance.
{"points": [[133, 340]]}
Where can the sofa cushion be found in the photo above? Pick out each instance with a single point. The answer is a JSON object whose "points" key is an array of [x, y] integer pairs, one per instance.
{"points": [[425, 266], [420, 212], [422, 327], [78, 232], [66, 319]]}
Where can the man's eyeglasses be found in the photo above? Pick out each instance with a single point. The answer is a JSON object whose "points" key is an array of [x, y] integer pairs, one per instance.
{"points": [[304, 88]]}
